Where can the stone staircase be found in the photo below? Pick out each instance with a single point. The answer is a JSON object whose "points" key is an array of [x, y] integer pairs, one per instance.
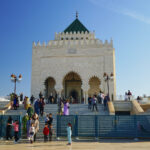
{"points": [[20, 111], [75, 109]]}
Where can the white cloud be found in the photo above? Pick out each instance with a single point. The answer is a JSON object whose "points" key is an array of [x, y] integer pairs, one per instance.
{"points": [[115, 8]]}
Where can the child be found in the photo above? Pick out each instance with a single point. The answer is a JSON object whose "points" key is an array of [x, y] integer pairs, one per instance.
{"points": [[16, 130], [69, 133], [47, 119], [46, 132], [31, 132], [50, 132]]}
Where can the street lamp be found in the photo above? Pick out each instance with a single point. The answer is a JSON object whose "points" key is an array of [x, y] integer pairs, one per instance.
{"points": [[15, 79], [107, 78]]}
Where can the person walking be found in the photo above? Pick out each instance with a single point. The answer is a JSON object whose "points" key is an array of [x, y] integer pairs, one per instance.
{"points": [[36, 107], [69, 133], [66, 108], [94, 100], [36, 125], [9, 128], [29, 122], [32, 133], [89, 102], [32, 99], [46, 132], [106, 99], [16, 131], [41, 106]]}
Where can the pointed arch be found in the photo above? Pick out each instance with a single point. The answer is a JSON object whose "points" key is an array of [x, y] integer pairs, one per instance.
{"points": [[94, 84]]}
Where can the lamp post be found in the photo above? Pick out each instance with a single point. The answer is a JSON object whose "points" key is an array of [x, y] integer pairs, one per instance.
{"points": [[108, 78], [15, 79]]}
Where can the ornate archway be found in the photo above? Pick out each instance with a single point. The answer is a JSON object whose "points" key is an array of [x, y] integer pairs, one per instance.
{"points": [[94, 83], [72, 87], [50, 87]]}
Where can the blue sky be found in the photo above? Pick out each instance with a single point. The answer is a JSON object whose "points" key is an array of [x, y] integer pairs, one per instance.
{"points": [[126, 21]]}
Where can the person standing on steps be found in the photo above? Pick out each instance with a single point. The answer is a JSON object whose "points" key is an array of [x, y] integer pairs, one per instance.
{"points": [[106, 99], [50, 121], [69, 133], [46, 132], [16, 130], [9, 128], [41, 105], [50, 132], [36, 125], [94, 100], [31, 133], [66, 108]]}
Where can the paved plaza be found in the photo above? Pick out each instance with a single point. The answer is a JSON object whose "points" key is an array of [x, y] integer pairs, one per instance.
{"points": [[80, 145]]}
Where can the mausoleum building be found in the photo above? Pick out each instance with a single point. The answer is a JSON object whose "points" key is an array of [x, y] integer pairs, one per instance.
{"points": [[73, 64]]}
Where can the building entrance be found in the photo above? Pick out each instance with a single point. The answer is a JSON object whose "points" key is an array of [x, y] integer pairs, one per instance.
{"points": [[72, 87]]}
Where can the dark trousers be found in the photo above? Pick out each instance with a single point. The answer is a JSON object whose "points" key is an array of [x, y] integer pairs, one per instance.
{"points": [[50, 137], [8, 132], [45, 138], [34, 137], [16, 136], [95, 105], [41, 110]]}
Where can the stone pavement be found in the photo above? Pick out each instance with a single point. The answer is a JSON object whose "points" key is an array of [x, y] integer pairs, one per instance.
{"points": [[103, 144]]}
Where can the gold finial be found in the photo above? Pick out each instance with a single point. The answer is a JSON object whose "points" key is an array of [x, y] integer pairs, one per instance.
{"points": [[76, 14]]}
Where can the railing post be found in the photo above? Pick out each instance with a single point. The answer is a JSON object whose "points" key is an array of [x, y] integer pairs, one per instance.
{"points": [[136, 128], [96, 126], [76, 126], [20, 126]]}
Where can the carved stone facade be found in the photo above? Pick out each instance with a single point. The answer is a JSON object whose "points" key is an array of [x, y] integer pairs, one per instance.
{"points": [[74, 52]]}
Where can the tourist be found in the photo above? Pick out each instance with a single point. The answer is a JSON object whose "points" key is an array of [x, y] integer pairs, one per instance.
{"points": [[24, 122], [89, 102], [30, 111], [32, 133], [36, 107], [50, 99], [106, 99], [36, 125], [21, 97], [129, 95], [71, 99], [41, 106], [66, 108], [40, 95], [99, 98], [32, 99], [126, 96], [47, 119], [59, 105], [16, 102], [50, 123], [138, 99], [16, 130], [26, 103], [94, 102], [69, 133], [46, 132], [102, 97], [9, 128], [50, 132], [29, 122]]}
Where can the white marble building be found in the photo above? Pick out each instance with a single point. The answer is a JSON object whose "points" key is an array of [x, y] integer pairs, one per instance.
{"points": [[73, 64]]}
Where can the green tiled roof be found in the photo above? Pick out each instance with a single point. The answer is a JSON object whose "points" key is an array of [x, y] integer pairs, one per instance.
{"points": [[76, 26]]}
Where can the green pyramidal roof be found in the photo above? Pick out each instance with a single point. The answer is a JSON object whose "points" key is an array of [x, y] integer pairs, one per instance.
{"points": [[76, 26]]}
